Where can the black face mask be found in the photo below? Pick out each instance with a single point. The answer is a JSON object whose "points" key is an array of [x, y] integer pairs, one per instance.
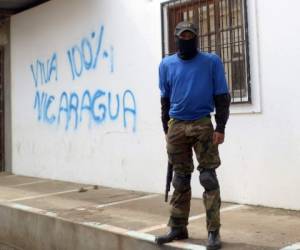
{"points": [[187, 49]]}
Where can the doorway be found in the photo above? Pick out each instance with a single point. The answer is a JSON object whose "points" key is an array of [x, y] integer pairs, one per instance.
{"points": [[2, 154]]}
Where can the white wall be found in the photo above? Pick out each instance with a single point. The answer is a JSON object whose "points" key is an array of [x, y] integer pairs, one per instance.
{"points": [[261, 155]]}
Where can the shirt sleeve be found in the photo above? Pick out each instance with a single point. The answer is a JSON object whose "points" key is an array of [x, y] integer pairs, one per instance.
{"points": [[163, 83], [219, 79]]}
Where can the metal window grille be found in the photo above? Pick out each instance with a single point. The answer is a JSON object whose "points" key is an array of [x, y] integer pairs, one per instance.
{"points": [[222, 26]]}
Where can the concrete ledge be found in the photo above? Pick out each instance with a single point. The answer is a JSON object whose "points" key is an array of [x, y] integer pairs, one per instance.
{"points": [[28, 229]]}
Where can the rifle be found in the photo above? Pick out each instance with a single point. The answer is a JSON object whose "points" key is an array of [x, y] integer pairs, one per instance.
{"points": [[169, 180]]}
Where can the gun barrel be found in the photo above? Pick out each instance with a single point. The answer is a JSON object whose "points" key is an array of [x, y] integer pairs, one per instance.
{"points": [[169, 180]]}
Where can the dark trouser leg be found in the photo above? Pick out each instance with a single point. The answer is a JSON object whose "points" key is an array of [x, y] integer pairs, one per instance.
{"points": [[211, 198], [212, 203], [208, 157], [181, 199], [180, 209], [180, 155]]}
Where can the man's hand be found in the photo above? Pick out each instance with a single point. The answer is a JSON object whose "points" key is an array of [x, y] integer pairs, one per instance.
{"points": [[218, 138]]}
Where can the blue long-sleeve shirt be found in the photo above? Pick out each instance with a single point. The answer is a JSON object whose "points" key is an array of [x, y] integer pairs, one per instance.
{"points": [[192, 84]]}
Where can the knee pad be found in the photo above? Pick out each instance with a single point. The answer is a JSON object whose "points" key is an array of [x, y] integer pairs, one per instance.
{"points": [[208, 179], [181, 183]]}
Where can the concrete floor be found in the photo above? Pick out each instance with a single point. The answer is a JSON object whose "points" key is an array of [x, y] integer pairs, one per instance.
{"points": [[243, 227], [6, 247]]}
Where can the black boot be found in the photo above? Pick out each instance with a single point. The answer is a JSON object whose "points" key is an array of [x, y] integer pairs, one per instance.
{"points": [[176, 233], [214, 240]]}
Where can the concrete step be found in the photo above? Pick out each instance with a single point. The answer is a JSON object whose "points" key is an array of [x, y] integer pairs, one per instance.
{"points": [[46, 214]]}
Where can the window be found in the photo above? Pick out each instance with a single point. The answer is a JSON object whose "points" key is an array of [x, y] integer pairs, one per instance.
{"points": [[222, 26]]}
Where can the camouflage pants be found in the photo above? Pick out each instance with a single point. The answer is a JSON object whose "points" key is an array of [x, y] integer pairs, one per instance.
{"points": [[182, 138]]}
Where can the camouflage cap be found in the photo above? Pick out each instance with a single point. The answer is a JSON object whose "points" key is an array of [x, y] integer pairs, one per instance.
{"points": [[185, 26]]}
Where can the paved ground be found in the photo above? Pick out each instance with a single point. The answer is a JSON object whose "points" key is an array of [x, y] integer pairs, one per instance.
{"points": [[243, 227], [6, 247]]}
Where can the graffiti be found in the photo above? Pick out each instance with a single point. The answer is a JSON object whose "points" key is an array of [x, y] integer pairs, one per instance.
{"points": [[71, 110], [100, 106], [42, 72], [87, 55]]}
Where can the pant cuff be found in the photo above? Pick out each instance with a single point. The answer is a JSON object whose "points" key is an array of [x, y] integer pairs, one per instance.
{"points": [[177, 222]]}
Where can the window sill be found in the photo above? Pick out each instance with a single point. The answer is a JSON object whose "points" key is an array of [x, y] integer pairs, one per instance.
{"points": [[245, 108]]}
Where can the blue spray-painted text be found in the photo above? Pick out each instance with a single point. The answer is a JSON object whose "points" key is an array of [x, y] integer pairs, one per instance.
{"points": [[70, 109], [44, 72], [87, 54]]}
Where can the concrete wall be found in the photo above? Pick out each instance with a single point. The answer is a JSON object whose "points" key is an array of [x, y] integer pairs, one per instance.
{"points": [[108, 48]]}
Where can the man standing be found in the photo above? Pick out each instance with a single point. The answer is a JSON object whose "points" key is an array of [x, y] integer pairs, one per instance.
{"points": [[192, 85]]}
